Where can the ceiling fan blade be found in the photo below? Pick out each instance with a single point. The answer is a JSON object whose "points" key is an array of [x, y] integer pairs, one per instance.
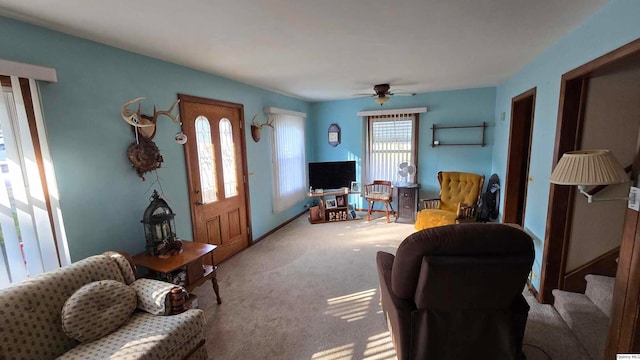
{"points": [[368, 94], [403, 94]]}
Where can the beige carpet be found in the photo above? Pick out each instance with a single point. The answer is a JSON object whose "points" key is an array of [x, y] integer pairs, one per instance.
{"points": [[311, 292]]}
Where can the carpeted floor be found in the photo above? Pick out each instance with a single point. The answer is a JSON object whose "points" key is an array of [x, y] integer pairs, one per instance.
{"points": [[311, 292]]}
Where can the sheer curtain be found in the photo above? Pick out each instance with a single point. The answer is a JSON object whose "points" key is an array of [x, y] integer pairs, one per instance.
{"points": [[31, 228], [289, 161], [391, 140]]}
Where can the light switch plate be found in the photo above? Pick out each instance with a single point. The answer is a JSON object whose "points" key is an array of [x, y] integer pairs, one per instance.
{"points": [[634, 198]]}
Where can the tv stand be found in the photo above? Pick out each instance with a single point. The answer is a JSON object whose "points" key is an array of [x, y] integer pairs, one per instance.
{"points": [[333, 205]]}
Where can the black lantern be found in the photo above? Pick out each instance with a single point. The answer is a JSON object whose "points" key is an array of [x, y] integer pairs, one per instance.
{"points": [[159, 226]]}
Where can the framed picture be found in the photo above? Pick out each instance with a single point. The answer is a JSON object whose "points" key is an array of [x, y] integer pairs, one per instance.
{"points": [[331, 203], [340, 201], [355, 186], [334, 135]]}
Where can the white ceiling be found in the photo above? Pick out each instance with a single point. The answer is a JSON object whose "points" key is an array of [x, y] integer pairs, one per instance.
{"points": [[324, 49]]}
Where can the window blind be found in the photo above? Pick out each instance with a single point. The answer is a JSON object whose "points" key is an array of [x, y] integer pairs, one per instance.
{"points": [[391, 141], [288, 156], [29, 208]]}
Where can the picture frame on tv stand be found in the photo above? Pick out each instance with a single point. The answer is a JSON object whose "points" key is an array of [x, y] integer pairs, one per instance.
{"points": [[331, 203], [355, 187]]}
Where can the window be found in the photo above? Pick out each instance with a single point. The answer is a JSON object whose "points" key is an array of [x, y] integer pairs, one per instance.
{"points": [[289, 161], [391, 140], [206, 160], [228, 149], [31, 237]]}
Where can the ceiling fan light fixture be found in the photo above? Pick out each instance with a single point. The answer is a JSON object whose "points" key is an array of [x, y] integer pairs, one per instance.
{"points": [[381, 100]]}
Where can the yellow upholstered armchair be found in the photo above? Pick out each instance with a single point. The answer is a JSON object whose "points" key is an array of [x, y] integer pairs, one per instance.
{"points": [[458, 202]]}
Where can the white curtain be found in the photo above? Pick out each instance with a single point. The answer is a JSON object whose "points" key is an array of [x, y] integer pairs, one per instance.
{"points": [[289, 161], [390, 142], [29, 231]]}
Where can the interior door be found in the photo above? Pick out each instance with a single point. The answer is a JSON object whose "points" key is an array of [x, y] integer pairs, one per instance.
{"points": [[216, 171]]}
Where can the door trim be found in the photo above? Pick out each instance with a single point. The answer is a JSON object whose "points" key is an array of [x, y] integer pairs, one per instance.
{"points": [[247, 200], [518, 134], [573, 90]]}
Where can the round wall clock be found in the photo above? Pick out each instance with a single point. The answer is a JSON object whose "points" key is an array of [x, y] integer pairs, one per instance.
{"points": [[334, 135]]}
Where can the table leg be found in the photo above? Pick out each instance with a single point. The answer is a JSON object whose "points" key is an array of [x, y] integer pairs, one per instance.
{"points": [[214, 281]]}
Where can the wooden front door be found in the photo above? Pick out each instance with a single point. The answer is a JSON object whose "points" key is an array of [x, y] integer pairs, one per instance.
{"points": [[216, 171]]}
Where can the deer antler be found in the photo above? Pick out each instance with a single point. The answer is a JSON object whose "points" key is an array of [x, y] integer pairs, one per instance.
{"points": [[256, 127], [269, 123], [254, 122], [133, 117], [169, 113]]}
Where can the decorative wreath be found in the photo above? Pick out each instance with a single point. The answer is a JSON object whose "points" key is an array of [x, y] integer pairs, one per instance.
{"points": [[144, 156]]}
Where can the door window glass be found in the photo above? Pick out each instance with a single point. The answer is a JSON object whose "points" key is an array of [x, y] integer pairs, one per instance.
{"points": [[206, 160], [228, 151]]}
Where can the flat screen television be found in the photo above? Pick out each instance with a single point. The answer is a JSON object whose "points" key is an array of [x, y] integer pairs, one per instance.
{"points": [[332, 175]]}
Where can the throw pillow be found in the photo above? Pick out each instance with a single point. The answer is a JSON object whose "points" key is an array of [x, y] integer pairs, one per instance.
{"points": [[97, 309]]}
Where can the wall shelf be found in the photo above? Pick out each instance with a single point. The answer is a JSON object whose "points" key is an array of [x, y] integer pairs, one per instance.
{"points": [[435, 142]]}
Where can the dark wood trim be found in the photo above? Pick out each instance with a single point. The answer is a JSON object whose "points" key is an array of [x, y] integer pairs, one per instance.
{"points": [[517, 157], [35, 139], [605, 264], [416, 134], [201, 100], [573, 92], [607, 59], [262, 237], [568, 136], [624, 307], [625, 315], [5, 80]]}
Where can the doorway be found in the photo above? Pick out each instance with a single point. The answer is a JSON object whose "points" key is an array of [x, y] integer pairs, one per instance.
{"points": [[573, 93], [520, 136], [215, 156]]}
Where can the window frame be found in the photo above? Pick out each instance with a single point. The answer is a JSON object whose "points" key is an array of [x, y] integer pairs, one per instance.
{"points": [[415, 131]]}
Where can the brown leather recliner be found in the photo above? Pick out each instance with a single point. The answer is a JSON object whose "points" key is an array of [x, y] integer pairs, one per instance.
{"points": [[455, 292]]}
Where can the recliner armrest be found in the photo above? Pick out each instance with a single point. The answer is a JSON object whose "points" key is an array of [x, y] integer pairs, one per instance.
{"points": [[385, 260]]}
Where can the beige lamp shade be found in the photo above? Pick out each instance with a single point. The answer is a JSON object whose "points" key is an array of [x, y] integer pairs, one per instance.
{"points": [[588, 167], [381, 100]]}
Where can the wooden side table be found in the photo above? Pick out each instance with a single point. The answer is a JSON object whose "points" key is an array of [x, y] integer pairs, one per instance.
{"points": [[192, 258]]}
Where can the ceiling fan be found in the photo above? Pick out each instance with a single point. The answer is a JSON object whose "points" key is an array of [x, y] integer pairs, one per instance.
{"points": [[382, 93]]}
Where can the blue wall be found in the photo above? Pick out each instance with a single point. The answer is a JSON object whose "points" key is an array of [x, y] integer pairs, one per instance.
{"points": [[614, 25], [101, 197], [459, 107]]}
